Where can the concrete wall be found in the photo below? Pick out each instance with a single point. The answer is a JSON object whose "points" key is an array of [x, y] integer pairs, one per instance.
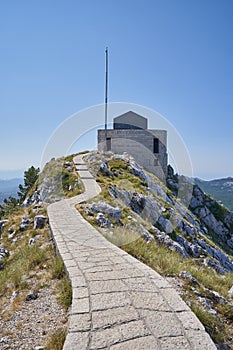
{"points": [[130, 120], [139, 144]]}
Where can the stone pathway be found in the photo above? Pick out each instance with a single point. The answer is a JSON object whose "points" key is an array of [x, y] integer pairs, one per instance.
{"points": [[118, 302]]}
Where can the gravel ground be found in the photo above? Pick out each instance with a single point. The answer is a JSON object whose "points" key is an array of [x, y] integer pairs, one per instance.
{"points": [[31, 326]]}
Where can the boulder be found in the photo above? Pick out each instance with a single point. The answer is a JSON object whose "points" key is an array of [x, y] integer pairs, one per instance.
{"points": [[3, 251], [150, 211], [103, 167], [31, 296], [24, 223], [39, 221], [165, 224], [103, 221], [137, 203], [105, 208]]}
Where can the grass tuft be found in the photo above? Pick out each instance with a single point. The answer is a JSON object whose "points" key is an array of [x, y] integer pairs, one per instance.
{"points": [[212, 324], [58, 268], [65, 295], [56, 340]]}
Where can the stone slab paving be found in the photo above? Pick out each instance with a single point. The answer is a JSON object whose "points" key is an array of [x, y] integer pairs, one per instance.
{"points": [[118, 302]]}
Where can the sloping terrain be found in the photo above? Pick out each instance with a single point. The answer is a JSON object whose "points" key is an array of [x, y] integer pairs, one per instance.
{"points": [[191, 246], [35, 292]]}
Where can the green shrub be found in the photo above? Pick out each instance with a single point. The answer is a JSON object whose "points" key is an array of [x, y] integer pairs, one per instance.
{"points": [[219, 211]]}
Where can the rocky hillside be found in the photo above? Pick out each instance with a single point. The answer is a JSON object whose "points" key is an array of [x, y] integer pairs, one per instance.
{"points": [[192, 246], [175, 228], [221, 189], [35, 292]]}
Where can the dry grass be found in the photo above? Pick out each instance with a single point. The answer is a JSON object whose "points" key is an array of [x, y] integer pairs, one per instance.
{"points": [[65, 292], [56, 340]]}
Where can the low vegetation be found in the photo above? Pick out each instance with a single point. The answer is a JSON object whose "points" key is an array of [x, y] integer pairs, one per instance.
{"points": [[34, 266], [218, 318], [170, 264], [59, 179], [56, 340]]}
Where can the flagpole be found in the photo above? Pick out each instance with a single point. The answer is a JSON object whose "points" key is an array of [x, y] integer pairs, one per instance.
{"points": [[106, 92]]}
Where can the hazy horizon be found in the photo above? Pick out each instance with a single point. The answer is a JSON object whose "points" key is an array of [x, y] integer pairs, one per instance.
{"points": [[172, 56]]}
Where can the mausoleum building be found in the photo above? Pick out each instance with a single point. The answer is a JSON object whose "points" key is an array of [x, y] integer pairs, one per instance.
{"points": [[130, 134]]}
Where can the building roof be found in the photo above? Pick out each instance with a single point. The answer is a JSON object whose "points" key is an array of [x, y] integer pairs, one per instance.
{"points": [[130, 120]]}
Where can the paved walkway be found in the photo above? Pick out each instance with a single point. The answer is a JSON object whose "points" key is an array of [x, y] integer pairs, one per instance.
{"points": [[118, 302]]}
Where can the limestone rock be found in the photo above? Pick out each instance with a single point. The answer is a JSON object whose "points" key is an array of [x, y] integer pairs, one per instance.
{"points": [[35, 198], [165, 224], [2, 223], [164, 239], [3, 253], [24, 223], [31, 296], [229, 220], [103, 221], [39, 221], [189, 229], [172, 184], [137, 202], [215, 265], [11, 233], [31, 241], [68, 164], [230, 292], [209, 220], [103, 207], [217, 254], [187, 275]]}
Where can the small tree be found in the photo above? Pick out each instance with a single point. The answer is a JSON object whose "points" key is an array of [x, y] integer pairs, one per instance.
{"points": [[9, 206], [30, 177]]}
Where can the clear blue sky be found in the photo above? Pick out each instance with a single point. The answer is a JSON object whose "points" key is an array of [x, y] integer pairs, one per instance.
{"points": [[173, 56]]}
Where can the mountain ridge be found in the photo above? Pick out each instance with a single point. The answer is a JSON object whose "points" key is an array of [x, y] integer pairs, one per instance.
{"points": [[221, 189]]}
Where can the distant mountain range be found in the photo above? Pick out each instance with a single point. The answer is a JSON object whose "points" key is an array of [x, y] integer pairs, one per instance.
{"points": [[221, 189], [9, 188]]}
